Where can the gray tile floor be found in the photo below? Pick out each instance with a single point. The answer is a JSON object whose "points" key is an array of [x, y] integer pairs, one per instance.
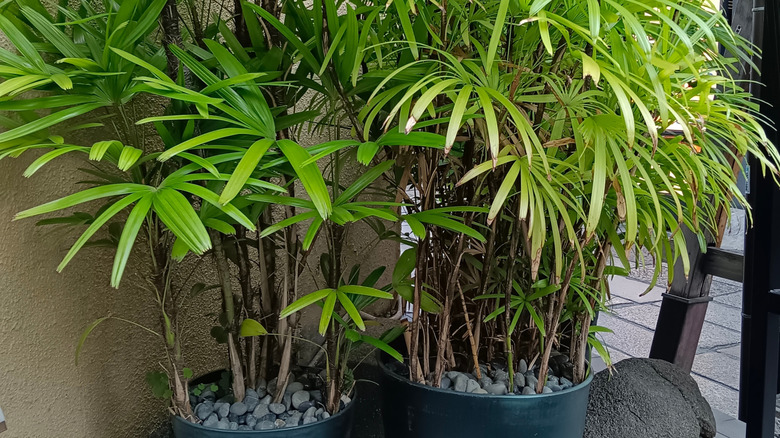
{"points": [[716, 366]]}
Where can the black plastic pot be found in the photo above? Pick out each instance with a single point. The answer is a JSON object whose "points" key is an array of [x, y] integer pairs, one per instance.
{"points": [[412, 410], [337, 426]]}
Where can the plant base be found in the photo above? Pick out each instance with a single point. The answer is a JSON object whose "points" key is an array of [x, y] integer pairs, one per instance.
{"points": [[411, 410], [337, 426]]}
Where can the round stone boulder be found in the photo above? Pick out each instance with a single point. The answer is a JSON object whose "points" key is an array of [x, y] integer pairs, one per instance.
{"points": [[300, 397], [647, 398]]}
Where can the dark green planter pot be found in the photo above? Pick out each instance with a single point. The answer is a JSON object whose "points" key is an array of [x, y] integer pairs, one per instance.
{"points": [[411, 410], [337, 426]]}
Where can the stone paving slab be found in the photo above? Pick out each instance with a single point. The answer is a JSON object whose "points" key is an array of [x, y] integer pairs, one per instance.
{"points": [[717, 366], [634, 290], [728, 427], [733, 300], [722, 286], [724, 315], [619, 301], [734, 351], [714, 336], [720, 397], [628, 337], [642, 314]]}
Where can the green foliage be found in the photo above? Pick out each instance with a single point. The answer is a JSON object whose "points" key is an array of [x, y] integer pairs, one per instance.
{"points": [[327, 298], [344, 208], [86, 334], [403, 284], [555, 116], [250, 327], [357, 338], [101, 73], [522, 302], [158, 382], [523, 143]]}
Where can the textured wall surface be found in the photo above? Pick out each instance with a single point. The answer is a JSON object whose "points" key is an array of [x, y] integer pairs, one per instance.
{"points": [[43, 313]]}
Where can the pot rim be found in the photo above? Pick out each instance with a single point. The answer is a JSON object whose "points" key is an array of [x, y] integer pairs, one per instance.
{"points": [[299, 427], [581, 386]]}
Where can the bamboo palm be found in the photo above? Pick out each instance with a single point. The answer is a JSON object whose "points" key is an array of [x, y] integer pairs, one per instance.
{"points": [[598, 127]]}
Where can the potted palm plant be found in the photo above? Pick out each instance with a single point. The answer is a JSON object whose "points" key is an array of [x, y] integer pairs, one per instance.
{"points": [[238, 122], [524, 144], [574, 132], [220, 169], [63, 85]]}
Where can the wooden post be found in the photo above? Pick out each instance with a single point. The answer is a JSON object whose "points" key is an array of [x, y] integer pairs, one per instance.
{"points": [[679, 328], [683, 310]]}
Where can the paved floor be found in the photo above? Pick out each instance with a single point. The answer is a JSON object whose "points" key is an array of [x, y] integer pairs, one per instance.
{"points": [[716, 366]]}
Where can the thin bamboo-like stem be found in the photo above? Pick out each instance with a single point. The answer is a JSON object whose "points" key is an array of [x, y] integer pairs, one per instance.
{"points": [[284, 325], [171, 35], [251, 303], [444, 335], [229, 301], [508, 288], [557, 305], [414, 359], [472, 340]]}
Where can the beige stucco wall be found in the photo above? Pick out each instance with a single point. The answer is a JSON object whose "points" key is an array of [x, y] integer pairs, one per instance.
{"points": [[42, 314]]}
